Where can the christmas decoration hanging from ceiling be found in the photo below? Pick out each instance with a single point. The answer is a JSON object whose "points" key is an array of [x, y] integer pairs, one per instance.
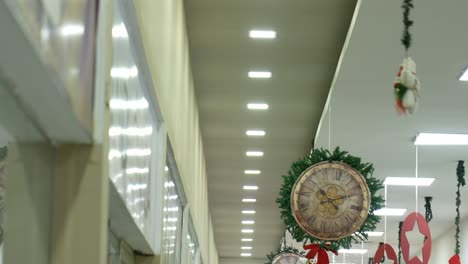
{"points": [[328, 199], [407, 86], [385, 250], [455, 259], [412, 221]]}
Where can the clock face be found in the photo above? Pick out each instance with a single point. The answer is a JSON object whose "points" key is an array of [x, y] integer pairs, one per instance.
{"points": [[287, 258], [330, 200]]}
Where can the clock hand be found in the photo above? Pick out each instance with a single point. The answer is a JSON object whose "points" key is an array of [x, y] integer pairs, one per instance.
{"points": [[329, 202], [342, 197]]}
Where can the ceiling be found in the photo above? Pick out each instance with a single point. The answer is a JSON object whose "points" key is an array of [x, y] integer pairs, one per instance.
{"points": [[302, 59], [363, 117]]}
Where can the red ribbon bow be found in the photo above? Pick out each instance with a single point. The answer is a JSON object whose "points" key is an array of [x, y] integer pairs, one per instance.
{"points": [[320, 252]]}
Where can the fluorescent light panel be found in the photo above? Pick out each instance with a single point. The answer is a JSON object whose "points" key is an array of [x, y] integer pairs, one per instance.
{"points": [[353, 251], [247, 231], [250, 187], [248, 222], [262, 34], [247, 239], [390, 212], [464, 76], [249, 200], [441, 139], [248, 211], [408, 181], [246, 248], [257, 106], [246, 254], [259, 74], [254, 153], [255, 133], [252, 172]]}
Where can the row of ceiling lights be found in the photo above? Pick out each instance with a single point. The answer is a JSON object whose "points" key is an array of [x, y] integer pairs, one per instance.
{"points": [[248, 223]]}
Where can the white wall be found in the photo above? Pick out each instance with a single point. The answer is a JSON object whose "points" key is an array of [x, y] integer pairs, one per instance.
{"points": [[163, 29], [443, 247]]}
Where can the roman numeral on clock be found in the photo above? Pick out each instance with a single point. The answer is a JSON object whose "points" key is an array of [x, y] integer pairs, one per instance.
{"points": [[338, 175], [355, 207]]}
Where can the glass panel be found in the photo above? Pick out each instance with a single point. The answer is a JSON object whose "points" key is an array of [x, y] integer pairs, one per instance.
{"points": [[190, 245], [130, 131], [172, 221], [113, 250]]}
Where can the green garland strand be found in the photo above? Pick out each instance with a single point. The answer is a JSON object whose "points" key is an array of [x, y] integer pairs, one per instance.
{"points": [[400, 225], [461, 182], [320, 155], [287, 249], [428, 208], [406, 39]]}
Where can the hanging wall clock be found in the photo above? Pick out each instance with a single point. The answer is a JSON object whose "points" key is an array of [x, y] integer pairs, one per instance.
{"points": [[330, 200], [287, 258]]}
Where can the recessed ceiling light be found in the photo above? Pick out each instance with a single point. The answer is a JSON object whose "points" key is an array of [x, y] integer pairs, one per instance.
{"points": [[441, 139], [246, 248], [390, 212], [257, 106], [246, 254], [248, 222], [262, 34], [255, 133], [252, 172], [464, 76], [248, 211], [247, 231], [249, 200], [375, 234], [408, 181], [247, 240], [259, 74], [353, 251], [250, 187], [254, 153]]}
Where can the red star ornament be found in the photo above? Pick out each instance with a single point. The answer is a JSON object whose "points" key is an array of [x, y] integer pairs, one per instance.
{"points": [[408, 225], [387, 250], [455, 259]]}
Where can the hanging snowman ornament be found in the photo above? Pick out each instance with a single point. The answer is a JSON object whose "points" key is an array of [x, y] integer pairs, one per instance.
{"points": [[407, 87]]}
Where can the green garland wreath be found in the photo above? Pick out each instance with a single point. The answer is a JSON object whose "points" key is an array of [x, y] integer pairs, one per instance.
{"points": [[288, 249], [320, 155]]}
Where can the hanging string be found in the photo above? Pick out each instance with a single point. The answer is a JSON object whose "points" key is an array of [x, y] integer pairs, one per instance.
{"points": [[329, 127], [406, 39], [461, 182], [385, 224], [416, 174], [385, 216], [362, 255]]}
